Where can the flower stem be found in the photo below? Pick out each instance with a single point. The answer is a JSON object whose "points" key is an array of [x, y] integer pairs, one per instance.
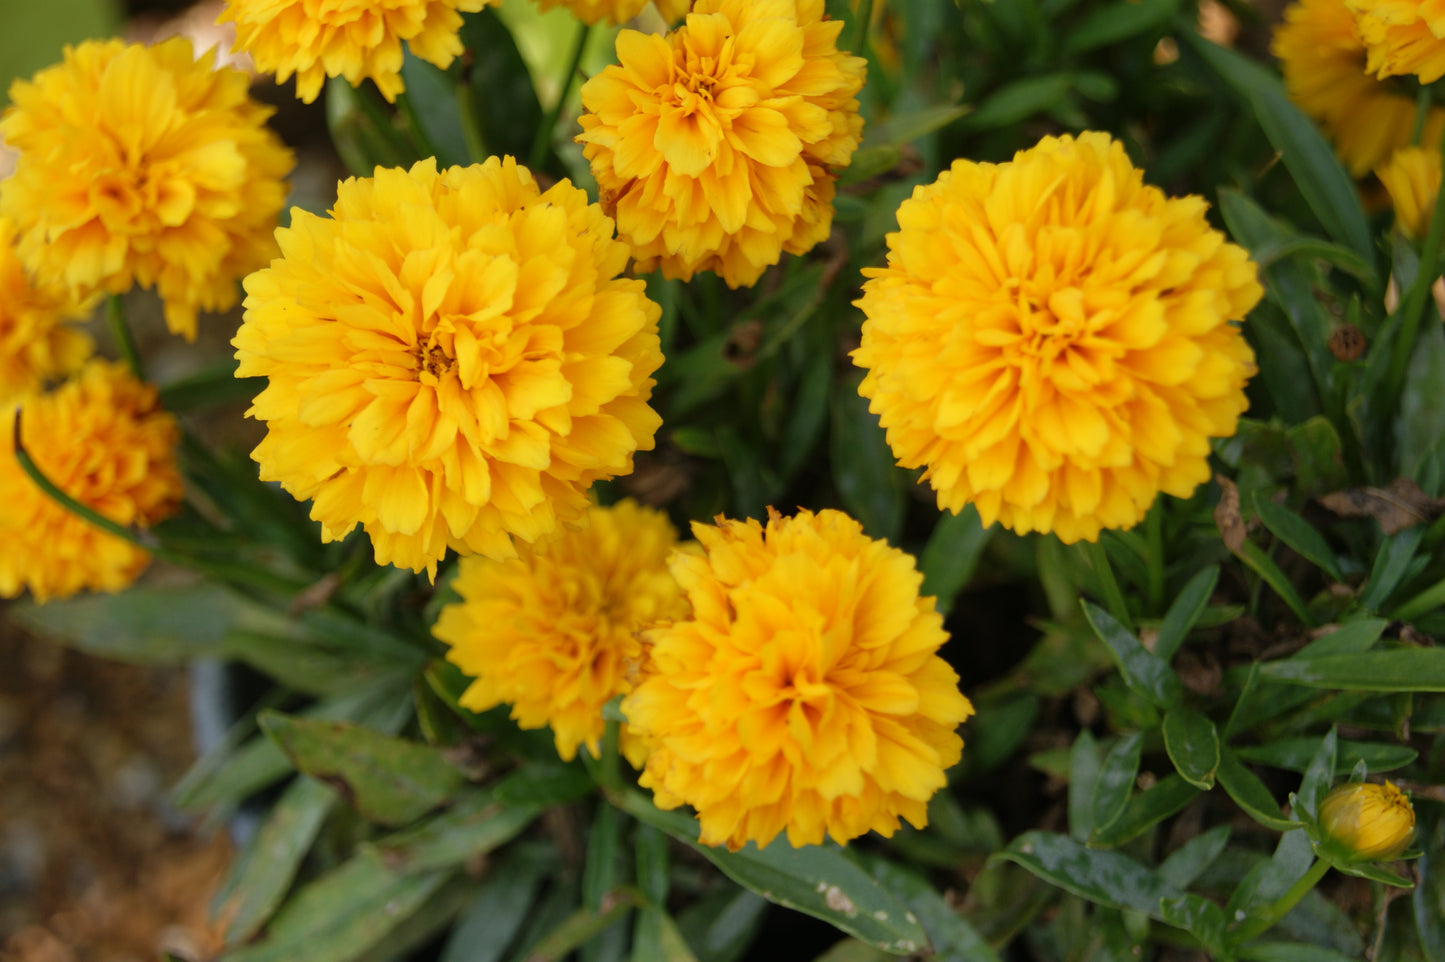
{"points": [[1413, 307], [124, 340], [471, 131], [1278, 909], [541, 143], [1098, 559], [1422, 113]]}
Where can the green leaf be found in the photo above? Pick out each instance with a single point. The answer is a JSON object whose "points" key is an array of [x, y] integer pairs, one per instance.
{"points": [[32, 35], [1193, 746], [1295, 754], [1428, 900], [599, 871], [474, 825], [1395, 669], [387, 780], [584, 925], [951, 555], [720, 927], [952, 937], [1018, 101], [1326, 187], [1116, 779], [498, 88], [1184, 613], [1264, 566], [1348, 639], [1299, 534], [1422, 403], [432, 93], [1250, 794], [1109, 878], [1188, 861], [1200, 917], [1084, 769], [143, 625], [652, 864], [1290, 952], [1319, 774], [341, 914], [268, 867], [868, 479], [1147, 809], [492, 922], [901, 129], [1115, 22], [1145, 673], [545, 784], [1391, 564], [817, 880], [362, 130], [1375, 872], [658, 940]]}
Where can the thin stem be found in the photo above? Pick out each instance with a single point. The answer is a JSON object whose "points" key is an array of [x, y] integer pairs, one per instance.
{"points": [[1154, 534], [471, 132], [1422, 113], [124, 340], [1278, 909], [415, 131], [1413, 307], [1098, 559], [542, 142]]}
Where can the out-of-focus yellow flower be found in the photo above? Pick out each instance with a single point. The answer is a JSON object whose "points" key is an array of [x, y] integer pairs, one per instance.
{"points": [[35, 341], [1402, 37], [616, 11], [102, 439], [1051, 341], [316, 39], [1371, 823], [1323, 60], [141, 165], [453, 360], [716, 147], [805, 693], [1412, 178], [553, 632]]}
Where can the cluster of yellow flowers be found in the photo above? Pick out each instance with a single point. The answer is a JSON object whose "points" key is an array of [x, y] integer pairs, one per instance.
{"points": [[453, 358]]}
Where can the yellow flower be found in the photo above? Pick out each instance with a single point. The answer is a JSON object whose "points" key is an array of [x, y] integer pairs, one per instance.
{"points": [[1051, 338], [553, 632], [616, 11], [141, 165], [35, 343], [1372, 823], [102, 439], [453, 360], [716, 147], [1402, 37], [805, 694], [1412, 178], [1323, 60], [316, 39]]}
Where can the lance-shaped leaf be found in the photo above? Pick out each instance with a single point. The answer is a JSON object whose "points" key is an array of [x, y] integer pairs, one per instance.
{"points": [[1145, 673], [388, 780], [1109, 878], [1193, 746], [1394, 669]]}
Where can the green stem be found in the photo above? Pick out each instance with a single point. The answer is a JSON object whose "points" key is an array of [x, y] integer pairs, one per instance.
{"points": [[1422, 113], [415, 131], [611, 761], [1098, 558], [471, 132], [1154, 534], [542, 142], [1280, 907], [1413, 307], [124, 340]]}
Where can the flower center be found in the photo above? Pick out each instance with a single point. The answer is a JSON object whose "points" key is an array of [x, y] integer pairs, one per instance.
{"points": [[432, 361]]}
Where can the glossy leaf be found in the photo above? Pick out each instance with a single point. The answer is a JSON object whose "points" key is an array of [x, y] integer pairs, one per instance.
{"points": [[1147, 809], [1109, 878], [1188, 861], [868, 480], [387, 780], [818, 880], [1193, 745], [1391, 565], [1295, 754], [1319, 773], [498, 88], [1184, 613], [1198, 916], [1397, 669], [951, 555], [1299, 534], [1250, 794], [952, 937], [1084, 766], [1145, 673], [1116, 779], [1354, 637]]}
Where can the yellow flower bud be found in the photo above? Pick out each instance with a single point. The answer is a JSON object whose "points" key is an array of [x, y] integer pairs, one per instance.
{"points": [[1372, 822]]}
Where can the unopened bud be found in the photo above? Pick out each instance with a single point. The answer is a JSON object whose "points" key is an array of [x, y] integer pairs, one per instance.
{"points": [[1371, 822]]}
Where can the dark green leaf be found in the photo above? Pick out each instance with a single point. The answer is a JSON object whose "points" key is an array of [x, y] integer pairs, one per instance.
{"points": [[658, 940], [496, 916], [545, 784], [1109, 878], [269, 865], [1319, 774], [1245, 787], [1193, 745], [1290, 952], [388, 780], [1146, 674], [652, 864], [1184, 613], [475, 824], [143, 625], [1264, 566], [902, 129], [501, 96], [1396, 669], [1083, 777], [1018, 101], [1117, 21], [1198, 916], [432, 94], [1188, 861], [1326, 187], [362, 130], [1391, 564], [1348, 639], [953, 938], [817, 880], [1298, 534], [1428, 900], [720, 928], [951, 555], [582, 926], [1295, 754], [1422, 403], [868, 479], [341, 914], [599, 872], [1147, 809], [1116, 779]]}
